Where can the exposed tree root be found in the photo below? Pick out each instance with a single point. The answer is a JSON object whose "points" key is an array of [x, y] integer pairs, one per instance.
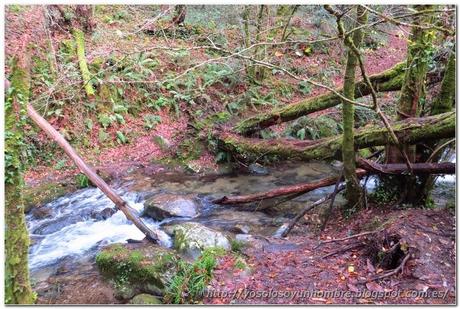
{"points": [[398, 269]]}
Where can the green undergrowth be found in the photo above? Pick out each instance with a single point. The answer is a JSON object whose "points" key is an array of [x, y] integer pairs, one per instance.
{"points": [[191, 279]]}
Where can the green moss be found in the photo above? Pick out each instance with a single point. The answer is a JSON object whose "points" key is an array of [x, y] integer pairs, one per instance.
{"points": [[45, 193], [389, 80], [17, 283], [86, 75], [147, 269]]}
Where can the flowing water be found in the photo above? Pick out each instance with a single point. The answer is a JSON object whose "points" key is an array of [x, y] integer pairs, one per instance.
{"points": [[68, 231]]}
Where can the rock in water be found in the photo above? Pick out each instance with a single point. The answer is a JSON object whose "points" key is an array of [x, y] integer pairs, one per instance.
{"points": [[145, 299], [164, 206], [257, 169], [192, 238], [103, 214]]}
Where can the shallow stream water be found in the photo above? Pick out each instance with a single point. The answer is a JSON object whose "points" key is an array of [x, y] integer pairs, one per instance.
{"points": [[70, 230]]}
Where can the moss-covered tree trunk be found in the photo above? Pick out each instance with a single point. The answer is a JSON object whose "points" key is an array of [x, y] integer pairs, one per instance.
{"points": [[85, 74], [413, 88], [353, 191], [411, 99], [389, 80], [17, 284], [442, 103], [409, 131], [260, 52]]}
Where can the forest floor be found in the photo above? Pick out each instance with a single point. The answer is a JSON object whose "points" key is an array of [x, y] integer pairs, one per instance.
{"points": [[285, 268]]}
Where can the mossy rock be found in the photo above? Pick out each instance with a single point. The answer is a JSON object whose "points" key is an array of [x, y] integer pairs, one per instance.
{"points": [[191, 238], [145, 299], [44, 193], [137, 268]]}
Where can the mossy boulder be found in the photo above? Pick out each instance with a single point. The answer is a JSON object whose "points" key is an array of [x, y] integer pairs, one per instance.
{"points": [[145, 299], [162, 206], [35, 196], [191, 238], [137, 268]]}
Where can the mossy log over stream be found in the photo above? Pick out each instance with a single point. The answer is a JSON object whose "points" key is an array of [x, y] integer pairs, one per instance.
{"points": [[408, 131], [389, 80]]}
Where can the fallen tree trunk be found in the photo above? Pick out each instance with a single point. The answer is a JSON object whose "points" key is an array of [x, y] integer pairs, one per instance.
{"points": [[287, 190], [369, 168], [95, 179], [408, 131], [397, 169], [389, 80]]}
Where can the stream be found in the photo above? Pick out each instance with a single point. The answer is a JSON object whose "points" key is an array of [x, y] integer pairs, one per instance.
{"points": [[67, 232]]}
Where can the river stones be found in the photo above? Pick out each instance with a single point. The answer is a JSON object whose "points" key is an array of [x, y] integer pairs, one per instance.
{"points": [[145, 299], [103, 214], [191, 238], [137, 268], [41, 212], [162, 206]]}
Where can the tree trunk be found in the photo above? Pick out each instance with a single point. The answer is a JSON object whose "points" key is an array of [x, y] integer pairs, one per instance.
{"points": [[282, 191], [409, 131], [389, 80], [368, 168], [95, 179], [260, 52], [353, 191], [17, 283], [85, 74], [413, 88], [398, 168], [441, 104]]}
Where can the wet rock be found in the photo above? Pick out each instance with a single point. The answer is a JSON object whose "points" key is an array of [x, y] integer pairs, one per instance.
{"points": [[162, 206], [244, 238], [258, 169], [192, 238], [240, 222], [137, 268], [145, 299], [56, 225], [103, 214], [35, 196], [41, 212]]}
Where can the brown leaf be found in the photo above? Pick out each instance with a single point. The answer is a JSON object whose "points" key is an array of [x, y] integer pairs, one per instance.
{"points": [[352, 288], [374, 287], [370, 267]]}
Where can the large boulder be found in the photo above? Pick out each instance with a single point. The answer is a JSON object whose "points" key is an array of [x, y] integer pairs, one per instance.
{"points": [[191, 238], [162, 206], [137, 268]]}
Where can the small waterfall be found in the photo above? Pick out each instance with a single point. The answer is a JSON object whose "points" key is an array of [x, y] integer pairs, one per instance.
{"points": [[72, 231]]}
